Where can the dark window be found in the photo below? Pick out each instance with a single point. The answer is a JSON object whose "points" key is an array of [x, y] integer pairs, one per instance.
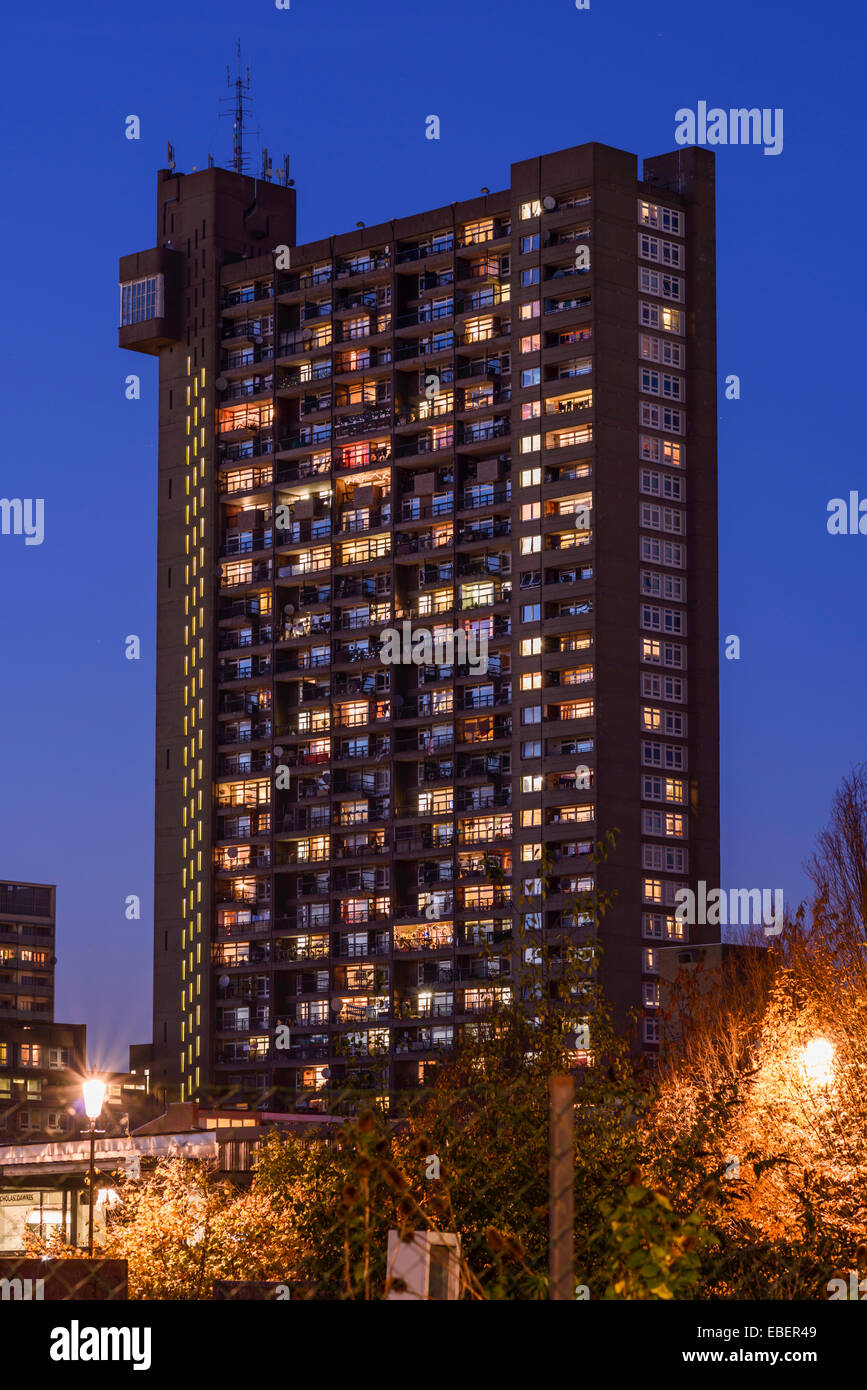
{"points": [[30, 902]]}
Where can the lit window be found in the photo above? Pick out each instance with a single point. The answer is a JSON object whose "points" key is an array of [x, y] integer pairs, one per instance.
{"points": [[530, 310], [531, 343], [531, 209], [531, 646]]}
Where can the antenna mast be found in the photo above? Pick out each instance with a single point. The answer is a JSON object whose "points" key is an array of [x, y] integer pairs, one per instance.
{"points": [[242, 102]]}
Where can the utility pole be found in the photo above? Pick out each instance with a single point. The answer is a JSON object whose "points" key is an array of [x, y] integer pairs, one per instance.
{"points": [[561, 1187]]}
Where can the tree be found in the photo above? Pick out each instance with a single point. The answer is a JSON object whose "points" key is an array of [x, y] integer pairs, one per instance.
{"points": [[838, 868], [180, 1227]]}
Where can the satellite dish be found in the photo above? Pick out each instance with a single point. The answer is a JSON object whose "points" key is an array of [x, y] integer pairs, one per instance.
{"points": [[224, 982], [221, 383], [549, 203], [259, 340], [325, 1073], [289, 608], [232, 853], [279, 752]]}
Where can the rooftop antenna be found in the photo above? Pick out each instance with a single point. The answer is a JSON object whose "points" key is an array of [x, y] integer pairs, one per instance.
{"points": [[171, 155], [241, 101]]}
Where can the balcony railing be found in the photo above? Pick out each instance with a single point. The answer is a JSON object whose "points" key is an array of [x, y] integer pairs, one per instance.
{"points": [[240, 390], [440, 247], [261, 443], [249, 294], [251, 480], [478, 237], [287, 284]]}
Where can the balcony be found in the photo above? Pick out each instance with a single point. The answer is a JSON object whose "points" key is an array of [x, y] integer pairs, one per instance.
{"points": [[255, 572], [241, 704], [426, 313], [246, 357], [291, 377], [488, 429], [422, 1041], [424, 347], [360, 360], [484, 398], [424, 1008], [261, 442], [439, 246], [250, 480], [486, 495], [561, 306], [418, 509], [373, 299], [424, 939], [236, 638], [426, 444], [251, 330], [247, 294], [367, 422], [304, 468], [305, 280], [242, 390], [246, 542], [492, 367], [362, 455], [362, 265], [243, 669], [499, 228], [260, 730]]}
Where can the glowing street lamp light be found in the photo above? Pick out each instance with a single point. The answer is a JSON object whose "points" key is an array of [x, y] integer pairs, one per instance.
{"points": [[94, 1094], [818, 1061]]}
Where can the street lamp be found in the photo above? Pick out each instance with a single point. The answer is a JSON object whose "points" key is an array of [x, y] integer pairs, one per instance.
{"points": [[818, 1061], [94, 1094]]}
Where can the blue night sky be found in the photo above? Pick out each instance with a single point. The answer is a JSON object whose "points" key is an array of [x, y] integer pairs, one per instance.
{"points": [[345, 89]]}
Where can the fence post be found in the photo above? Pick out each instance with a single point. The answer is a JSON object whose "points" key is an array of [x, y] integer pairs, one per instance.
{"points": [[561, 1186]]}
